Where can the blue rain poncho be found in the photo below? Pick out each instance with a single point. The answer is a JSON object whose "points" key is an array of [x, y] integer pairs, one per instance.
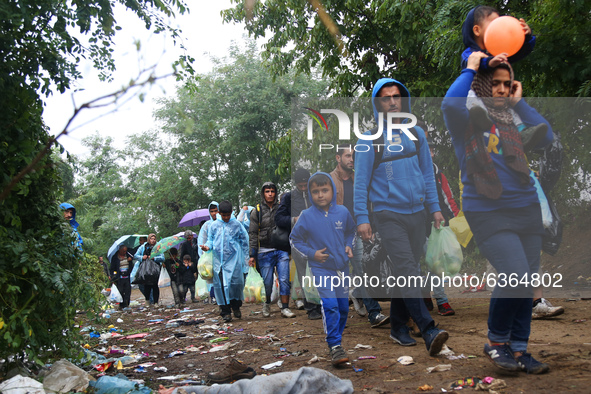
{"points": [[244, 216], [229, 243], [202, 237], [73, 223]]}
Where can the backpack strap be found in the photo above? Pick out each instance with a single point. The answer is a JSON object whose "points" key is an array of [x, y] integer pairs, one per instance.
{"points": [[260, 215]]}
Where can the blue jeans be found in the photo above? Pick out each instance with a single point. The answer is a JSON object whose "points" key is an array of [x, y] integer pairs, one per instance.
{"points": [[372, 306], [509, 316], [267, 262]]}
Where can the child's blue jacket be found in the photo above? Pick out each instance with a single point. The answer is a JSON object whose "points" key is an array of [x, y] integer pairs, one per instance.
{"points": [[317, 229]]}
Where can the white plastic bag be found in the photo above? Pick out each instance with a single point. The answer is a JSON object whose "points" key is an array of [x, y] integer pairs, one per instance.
{"points": [[164, 279], [115, 295]]}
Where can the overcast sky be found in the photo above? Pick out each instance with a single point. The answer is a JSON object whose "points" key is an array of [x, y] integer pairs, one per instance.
{"points": [[204, 35]]}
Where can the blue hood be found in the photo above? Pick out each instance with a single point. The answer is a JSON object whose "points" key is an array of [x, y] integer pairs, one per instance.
{"points": [[468, 33], [73, 222], [333, 202], [217, 205], [403, 92]]}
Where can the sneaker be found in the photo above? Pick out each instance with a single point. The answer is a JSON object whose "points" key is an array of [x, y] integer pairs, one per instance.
{"points": [[338, 355], [285, 312], [266, 310], [532, 136], [428, 303], [193, 300], [401, 337], [502, 357], [357, 304], [531, 365], [445, 310], [545, 309], [434, 339], [237, 313], [227, 318], [314, 314], [299, 304], [379, 320], [236, 370]]}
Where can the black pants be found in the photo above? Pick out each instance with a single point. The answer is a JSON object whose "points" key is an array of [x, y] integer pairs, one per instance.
{"points": [[234, 305], [154, 290], [403, 237], [124, 287]]}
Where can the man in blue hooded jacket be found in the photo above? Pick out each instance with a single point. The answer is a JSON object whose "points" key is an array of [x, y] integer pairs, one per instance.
{"points": [[70, 215], [398, 180]]}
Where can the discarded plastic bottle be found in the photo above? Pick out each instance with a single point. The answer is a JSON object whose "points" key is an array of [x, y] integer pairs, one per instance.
{"points": [[172, 325]]}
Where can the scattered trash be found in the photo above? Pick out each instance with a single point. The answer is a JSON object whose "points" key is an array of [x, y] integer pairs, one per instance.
{"points": [[579, 320], [65, 377], [488, 380], [493, 386], [176, 353], [272, 365], [366, 358], [312, 360], [466, 382], [103, 367], [405, 360], [21, 384], [172, 325], [160, 369], [459, 357], [360, 346], [425, 387], [220, 339], [119, 320], [357, 369], [445, 351], [439, 368], [179, 335], [134, 336], [118, 384]]}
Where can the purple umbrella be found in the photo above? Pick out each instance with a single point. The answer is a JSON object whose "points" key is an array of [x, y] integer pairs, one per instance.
{"points": [[193, 218]]}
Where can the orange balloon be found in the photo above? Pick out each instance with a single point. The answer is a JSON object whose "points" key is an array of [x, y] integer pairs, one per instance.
{"points": [[504, 35]]}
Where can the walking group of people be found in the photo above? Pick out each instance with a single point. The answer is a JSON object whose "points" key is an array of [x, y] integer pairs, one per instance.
{"points": [[388, 196]]}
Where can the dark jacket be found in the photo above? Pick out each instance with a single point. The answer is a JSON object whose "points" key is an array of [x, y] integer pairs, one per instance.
{"points": [[292, 204], [189, 248], [172, 269], [115, 268], [187, 274], [258, 233]]}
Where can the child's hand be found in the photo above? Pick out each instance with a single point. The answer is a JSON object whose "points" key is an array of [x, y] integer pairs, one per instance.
{"points": [[321, 257], [499, 59], [516, 93], [349, 252], [525, 26], [473, 64], [204, 248], [252, 262]]}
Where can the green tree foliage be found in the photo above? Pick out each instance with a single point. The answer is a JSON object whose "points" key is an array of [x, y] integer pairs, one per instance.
{"points": [[419, 43], [222, 130], [43, 277]]}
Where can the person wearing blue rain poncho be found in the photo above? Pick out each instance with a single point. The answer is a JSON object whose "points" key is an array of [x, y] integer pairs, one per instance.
{"points": [[324, 235], [70, 215], [213, 208], [244, 216], [228, 240]]}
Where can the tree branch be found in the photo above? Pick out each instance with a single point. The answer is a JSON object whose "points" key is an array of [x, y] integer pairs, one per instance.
{"points": [[109, 99]]}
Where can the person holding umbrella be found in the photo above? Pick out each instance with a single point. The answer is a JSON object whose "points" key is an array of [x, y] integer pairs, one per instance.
{"points": [[121, 266], [142, 254]]}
